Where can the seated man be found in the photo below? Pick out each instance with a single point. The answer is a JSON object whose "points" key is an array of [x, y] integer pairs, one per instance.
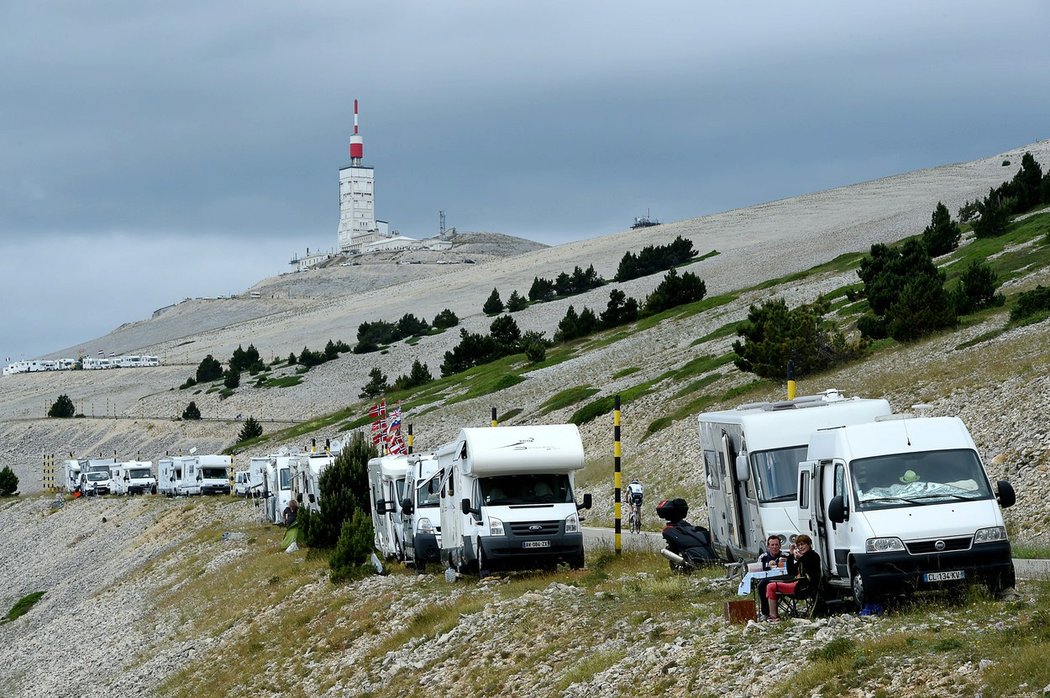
{"points": [[773, 558], [804, 566]]}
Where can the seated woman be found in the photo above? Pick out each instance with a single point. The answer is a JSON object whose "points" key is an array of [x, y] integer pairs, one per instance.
{"points": [[804, 564]]}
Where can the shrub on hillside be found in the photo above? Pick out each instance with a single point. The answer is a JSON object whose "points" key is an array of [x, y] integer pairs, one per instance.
{"points": [[942, 235], [191, 411], [445, 319], [250, 430], [654, 259], [62, 408], [473, 350], [493, 305], [905, 290], [419, 375], [376, 385], [1031, 302], [209, 369], [231, 379], [350, 559], [190, 382], [922, 307], [516, 302], [8, 482], [620, 309], [343, 490], [976, 289], [775, 334], [675, 290], [245, 359]]}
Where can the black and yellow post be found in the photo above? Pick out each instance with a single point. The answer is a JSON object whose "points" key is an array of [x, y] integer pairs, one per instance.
{"points": [[495, 422], [411, 439], [791, 379], [616, 473], [48, 479]]}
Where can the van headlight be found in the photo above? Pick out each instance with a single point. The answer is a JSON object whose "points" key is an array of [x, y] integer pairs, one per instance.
{"points": [[883, 545], [992, 534], [424, 525], [495, 526], [572, 523]]}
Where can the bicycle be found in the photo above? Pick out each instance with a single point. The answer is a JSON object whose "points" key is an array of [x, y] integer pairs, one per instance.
{"points": [[634, 517]]}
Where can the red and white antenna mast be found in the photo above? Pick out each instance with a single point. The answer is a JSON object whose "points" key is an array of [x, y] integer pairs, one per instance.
{"points": [[357, 144]]}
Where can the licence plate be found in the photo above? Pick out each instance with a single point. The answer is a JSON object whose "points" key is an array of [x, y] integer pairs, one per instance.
{"points": [[536, 544], [944, 576]]}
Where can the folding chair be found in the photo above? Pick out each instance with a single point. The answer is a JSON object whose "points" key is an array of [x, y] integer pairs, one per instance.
{"points": [[804, 604]]}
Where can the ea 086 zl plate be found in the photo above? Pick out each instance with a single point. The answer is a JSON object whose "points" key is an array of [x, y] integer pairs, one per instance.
{"points": [[536, 544], [944, 576]]}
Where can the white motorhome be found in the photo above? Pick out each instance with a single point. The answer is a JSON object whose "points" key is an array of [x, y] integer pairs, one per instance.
{"points": [[96, 476], [903, 504], [133, 477], [70, 480], [179, 476], [277, 485], [386, 490], [306, 483], [421, 510], [751, 456], [508, 499], [213, 474]]}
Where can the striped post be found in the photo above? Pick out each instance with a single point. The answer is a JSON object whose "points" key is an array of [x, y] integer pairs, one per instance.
{"points": [[791, 379], [616, 474], [411, 439], [495, 422]]}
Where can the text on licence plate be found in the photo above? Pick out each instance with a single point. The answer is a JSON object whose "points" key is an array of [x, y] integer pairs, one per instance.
{"points": [[944, 576], [536, 544]]}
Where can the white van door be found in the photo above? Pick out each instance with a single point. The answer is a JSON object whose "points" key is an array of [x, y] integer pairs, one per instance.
{"points": [[734, 510], [807, 517], [835, 482]]}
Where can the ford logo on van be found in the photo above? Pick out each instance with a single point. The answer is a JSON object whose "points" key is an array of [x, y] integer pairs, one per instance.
{"points": [[939, 545], [535, 527]]}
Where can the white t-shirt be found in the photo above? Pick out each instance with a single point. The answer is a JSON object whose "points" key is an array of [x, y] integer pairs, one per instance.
{"points": [[635, 488]]}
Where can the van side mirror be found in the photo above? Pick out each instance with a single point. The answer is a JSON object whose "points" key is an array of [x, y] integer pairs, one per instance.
{"points": [[299, 497], [465, 506], [381, 506], [1005, 494], [586, 501], [743, 472], [837, 509], [406, 506], [313, 499], [127, 478]]}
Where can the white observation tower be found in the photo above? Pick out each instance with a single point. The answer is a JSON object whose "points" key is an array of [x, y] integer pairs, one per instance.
{"points": [[357, 218]]}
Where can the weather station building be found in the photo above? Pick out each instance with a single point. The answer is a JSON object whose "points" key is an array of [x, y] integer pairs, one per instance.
{"points": [[358, 226]]}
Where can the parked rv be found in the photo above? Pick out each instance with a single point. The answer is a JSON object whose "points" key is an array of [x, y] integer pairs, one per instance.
{"points": [[213, 474], [71, 474], [96, 476], [750, 460], [277, 485], [421, 510], [177, 476], [903, 504], [134, 477], [306, 483], [508, 499], [386, 490]]}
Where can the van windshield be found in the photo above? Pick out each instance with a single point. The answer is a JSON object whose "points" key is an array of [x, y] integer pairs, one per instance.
{"points": [[139, 473], [97, 476], [214, 473], [929, 477], [526, 489], [425, 498], [776, 473]]}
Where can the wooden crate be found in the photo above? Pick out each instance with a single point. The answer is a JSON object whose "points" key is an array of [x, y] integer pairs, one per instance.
{"points": [[740, 611]]}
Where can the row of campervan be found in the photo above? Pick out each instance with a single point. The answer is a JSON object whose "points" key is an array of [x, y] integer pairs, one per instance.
{"points": [[88, 363], [93, 476], [893, 502], [495, 498]]}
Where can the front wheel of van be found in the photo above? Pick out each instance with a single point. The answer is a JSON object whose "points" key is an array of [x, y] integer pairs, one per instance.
{"points": [[860, 597], [483, 565]]}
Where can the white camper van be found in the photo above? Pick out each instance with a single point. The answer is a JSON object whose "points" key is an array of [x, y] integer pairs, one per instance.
{"points": [[508, 499], [277, 485], [751, 456], [96, 476], [386, 489], [903, 504], [421, 510], [306, 484], [134, 477], [213, 474], [70, 481], [177, 476]]}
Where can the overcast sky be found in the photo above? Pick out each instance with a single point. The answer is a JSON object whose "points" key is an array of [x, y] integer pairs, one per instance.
{"points": [[155, 151]]}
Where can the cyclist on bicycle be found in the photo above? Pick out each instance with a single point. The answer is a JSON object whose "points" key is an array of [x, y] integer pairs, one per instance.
{"points": [[635, 492]]}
